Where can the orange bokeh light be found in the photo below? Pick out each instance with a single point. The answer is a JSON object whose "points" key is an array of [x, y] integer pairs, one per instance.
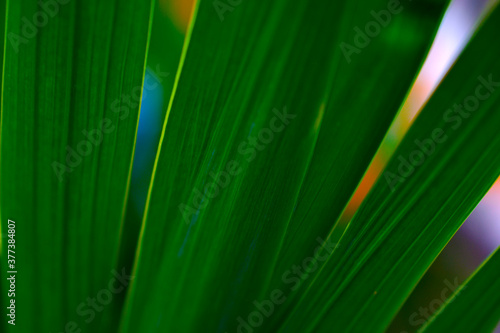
{"points": [[179, 12]]}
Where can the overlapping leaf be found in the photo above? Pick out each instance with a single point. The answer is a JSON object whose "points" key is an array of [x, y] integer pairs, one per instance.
{"points": [[445, 164], [232, 164]]}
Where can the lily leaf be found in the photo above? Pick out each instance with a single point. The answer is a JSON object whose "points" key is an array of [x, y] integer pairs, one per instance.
{"points": [[71, 89]]}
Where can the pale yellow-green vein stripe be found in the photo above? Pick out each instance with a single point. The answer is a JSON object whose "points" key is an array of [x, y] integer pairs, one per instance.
{"points": [[129, 177], [143, 225]]}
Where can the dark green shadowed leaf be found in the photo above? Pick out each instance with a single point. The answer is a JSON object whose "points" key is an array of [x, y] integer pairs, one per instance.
{"points": [[444, 166], [364, 95], [210, 116], [475, 307], [71, 91]]}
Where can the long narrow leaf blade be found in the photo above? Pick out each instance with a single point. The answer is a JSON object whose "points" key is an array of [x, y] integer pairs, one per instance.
{"points": [[70, 97], [445, 164]]}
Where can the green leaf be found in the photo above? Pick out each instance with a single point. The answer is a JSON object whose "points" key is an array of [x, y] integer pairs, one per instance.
{"points": [[237, 79], [69, 67], [475, 306], [414, 209], [363, 98]]}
